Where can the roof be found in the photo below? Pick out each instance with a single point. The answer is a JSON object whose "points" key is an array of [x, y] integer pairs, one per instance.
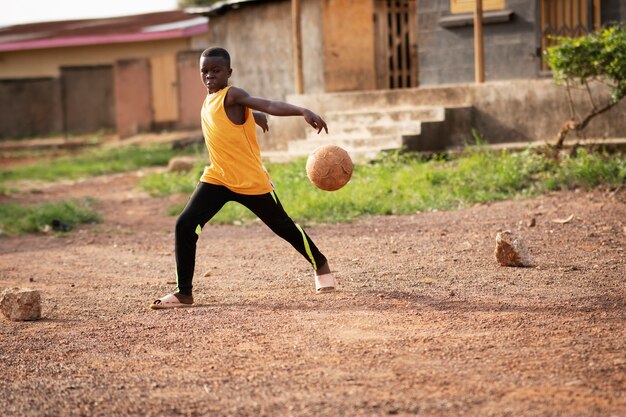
{"points": [[137, 28], [221, 7]]}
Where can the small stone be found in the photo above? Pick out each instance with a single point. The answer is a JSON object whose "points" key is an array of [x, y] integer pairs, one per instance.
{"points": [[510, 250], [532, 222], [181, 164], [20, 304]]}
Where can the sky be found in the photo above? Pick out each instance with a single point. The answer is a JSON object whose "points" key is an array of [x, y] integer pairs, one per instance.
{"points": [[15, 12]]}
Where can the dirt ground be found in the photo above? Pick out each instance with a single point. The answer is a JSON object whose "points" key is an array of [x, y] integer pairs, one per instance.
{"points": [[425, 323]]}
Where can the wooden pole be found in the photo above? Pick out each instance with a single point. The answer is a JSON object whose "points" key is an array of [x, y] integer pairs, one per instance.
{"points": [[597, 20], [479, 54], [297, 47]]}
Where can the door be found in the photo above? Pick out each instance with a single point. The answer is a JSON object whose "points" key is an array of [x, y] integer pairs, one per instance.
{"points": [[396, 44], [88, 98], [567, 18], [164, 90]]}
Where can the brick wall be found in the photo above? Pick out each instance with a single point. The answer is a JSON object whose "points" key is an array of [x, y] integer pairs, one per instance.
{"points": [[446, 55], [613, 11]]}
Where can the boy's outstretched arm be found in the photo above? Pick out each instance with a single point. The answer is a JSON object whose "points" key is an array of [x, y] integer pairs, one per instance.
{"points": [[237, 96]]}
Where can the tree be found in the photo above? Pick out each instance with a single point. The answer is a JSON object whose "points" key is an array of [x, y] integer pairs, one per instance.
{"points": [[598, 57]]}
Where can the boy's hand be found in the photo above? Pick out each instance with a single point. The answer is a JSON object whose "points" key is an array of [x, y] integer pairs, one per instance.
{"points": [[315, 121], [261, 120]]}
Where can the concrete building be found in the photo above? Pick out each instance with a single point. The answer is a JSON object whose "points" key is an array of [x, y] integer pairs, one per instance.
{"points": [[128, 74], [391, 58], [356, 45]]}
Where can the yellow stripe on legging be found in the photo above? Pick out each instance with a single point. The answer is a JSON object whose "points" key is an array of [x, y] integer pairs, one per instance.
{"points": [[274, 196], [198, 230], [307, 247]]}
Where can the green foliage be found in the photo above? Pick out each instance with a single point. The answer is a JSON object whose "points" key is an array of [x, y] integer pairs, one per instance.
{"points": [[93, 162], [599, 55], [588, 170], [165, 183], [405, 183], [16, 219]]}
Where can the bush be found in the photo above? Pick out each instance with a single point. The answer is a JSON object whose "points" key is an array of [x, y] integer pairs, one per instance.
{"points": [[596, 57]]}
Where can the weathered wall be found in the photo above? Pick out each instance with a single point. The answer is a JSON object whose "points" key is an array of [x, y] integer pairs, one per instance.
{"points": [[348, 45], [190, 89], [504, 111], [258, 38], [312, 46], [88, 98], [132, 96], [446, 55], [30, 107], [46, 62]]}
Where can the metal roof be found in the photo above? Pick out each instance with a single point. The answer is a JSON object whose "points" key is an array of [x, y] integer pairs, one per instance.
{"points": [[221, 7], [136, 28]]}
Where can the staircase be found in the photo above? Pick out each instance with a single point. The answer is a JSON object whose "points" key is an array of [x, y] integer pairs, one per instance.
{"points": [[366, 132]]}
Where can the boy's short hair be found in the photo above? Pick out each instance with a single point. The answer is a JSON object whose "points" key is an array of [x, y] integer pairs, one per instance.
{"points": [[217, 52]]}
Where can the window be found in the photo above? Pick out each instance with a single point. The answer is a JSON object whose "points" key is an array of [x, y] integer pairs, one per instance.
{"points": [[568, 18], [467, 6]]}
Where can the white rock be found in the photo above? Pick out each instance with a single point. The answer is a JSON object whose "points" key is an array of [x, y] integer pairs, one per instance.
{"points": [[181, 164], [511, 250], [19, 304]]}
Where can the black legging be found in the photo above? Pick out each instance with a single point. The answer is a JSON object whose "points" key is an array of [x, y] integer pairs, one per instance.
{"points": [[207, 200]]}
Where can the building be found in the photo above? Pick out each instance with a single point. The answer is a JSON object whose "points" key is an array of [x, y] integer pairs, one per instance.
{"points": [[356, 45], [390, 55], [126, 74]]}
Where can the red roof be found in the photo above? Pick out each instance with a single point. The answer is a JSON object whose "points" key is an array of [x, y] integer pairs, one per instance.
{"points": [[137, 28]]}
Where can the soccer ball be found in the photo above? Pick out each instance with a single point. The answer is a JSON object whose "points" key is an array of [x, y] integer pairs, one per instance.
{"points": [[329, 167]]}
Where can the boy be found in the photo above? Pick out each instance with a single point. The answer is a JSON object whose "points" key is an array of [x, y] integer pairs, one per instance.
{"points": [[236, 174]]}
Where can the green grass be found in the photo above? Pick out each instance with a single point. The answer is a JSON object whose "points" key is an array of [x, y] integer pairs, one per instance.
{"points": [[16, 219], [94, 162], [400, 184]]}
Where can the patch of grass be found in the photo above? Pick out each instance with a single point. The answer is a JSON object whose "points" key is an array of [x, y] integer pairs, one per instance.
{"points": [[588, 170], [95, 162], [404, 183], [16, 219], [6, 190], [166, 183]]}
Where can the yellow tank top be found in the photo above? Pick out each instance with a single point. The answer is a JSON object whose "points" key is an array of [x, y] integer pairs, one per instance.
{"points": [[233, 149]]}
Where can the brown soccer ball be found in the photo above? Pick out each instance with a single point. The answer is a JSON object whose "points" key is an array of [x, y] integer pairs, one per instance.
{"points": [[329, 167]]}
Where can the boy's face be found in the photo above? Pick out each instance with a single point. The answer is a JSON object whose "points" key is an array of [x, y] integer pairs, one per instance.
{"points": [[214, 72]]}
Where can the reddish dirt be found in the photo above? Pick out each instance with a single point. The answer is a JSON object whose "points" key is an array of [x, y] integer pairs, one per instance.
{"points": [[425, 322]]}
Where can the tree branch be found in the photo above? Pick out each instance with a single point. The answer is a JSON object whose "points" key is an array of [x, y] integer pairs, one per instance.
{"points": [[593, 105], [570, 102], [591, 115]]}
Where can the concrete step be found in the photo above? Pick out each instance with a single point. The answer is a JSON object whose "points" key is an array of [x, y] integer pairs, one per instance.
{"points": [[378, 129], [348, 143], [385, 116]]}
